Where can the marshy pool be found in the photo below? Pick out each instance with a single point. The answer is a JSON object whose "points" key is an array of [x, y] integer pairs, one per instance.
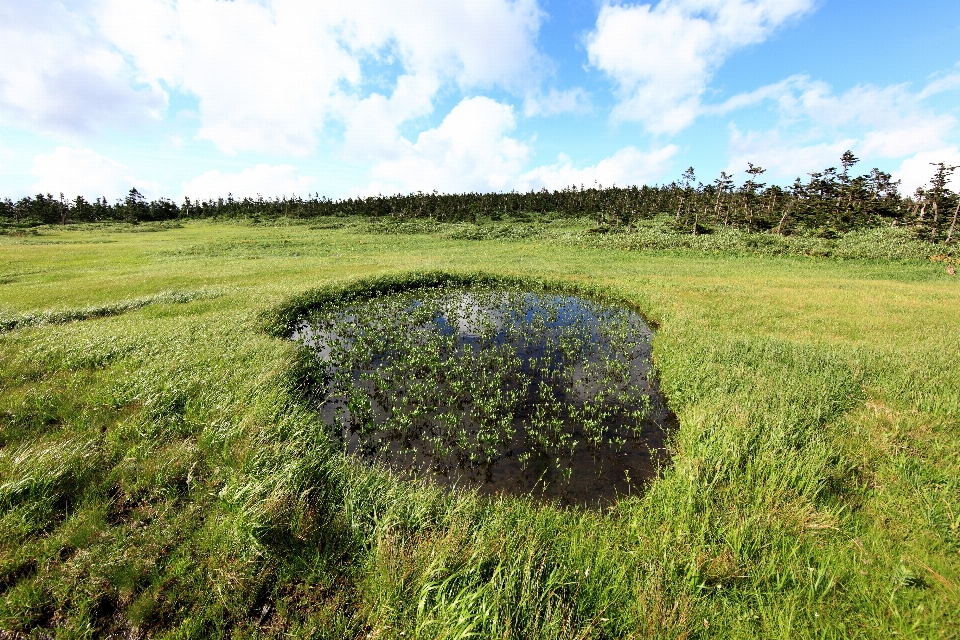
{"points": [[539, 394]]}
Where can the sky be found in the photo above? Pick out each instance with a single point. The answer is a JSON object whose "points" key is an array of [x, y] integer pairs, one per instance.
{"points": [[342, 98]]}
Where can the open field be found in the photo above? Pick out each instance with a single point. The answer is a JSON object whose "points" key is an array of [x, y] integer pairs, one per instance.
{"points": [[160, 475]]}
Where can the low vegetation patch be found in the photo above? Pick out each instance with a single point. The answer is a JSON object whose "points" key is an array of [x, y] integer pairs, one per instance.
{"points": [[161, 474]]}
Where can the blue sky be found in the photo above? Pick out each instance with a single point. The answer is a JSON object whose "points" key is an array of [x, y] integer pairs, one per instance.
{"points": [[354, 97]]}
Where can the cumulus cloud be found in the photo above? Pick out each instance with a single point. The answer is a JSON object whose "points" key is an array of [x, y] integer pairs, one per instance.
{"points": [[268, 74], [472, 150], [469, 151], [262, 180], [83, 172], [628, 166], [784, 159], [916, 171], [480, 43], [662, 57], [815, 125], [59, 76], [372, 125]]}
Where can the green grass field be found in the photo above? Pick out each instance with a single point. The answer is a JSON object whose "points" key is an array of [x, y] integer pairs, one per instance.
{"points": [[160, 475]]}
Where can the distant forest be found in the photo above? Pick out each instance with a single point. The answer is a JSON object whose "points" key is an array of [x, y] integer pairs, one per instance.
{"points": [[831, 202]]}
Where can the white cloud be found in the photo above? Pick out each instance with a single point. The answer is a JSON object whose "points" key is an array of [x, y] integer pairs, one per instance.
{"points": [[268, 74], [663, 57], [815, 126], [942, 84], [86, 173], [469, 151], [784, 159], [58, 75], [479, 43], [472, 150], [893, 119], [916, 171], [372, 124], [556, 102], [263, 180], [627, 166]]}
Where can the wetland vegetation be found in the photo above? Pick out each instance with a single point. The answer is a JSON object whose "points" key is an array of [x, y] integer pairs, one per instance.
{"points": [[505, 390], [164, 472]]}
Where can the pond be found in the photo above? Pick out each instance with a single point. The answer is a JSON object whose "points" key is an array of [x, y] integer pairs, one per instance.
{"points": [[538, 394]]}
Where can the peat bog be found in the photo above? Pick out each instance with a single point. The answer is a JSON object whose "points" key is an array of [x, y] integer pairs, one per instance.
{"points": [[505, 391]]}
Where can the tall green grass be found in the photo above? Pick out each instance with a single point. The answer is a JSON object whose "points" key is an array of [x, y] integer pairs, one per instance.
{"points": [[161, 476]]}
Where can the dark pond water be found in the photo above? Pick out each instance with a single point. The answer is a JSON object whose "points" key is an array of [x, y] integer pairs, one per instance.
{"points": [[508, 392]]}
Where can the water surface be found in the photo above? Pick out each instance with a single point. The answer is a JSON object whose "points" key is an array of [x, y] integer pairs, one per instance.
{"points": [[508, 392]]}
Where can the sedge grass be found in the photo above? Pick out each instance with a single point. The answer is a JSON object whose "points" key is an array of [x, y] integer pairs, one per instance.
{"points": [[159, 475]]}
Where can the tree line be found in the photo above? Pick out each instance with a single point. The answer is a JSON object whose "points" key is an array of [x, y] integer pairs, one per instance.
{"points": [[832, 201]]}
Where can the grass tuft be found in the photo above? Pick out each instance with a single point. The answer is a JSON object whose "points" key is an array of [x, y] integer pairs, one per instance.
{"points": [[39, 318]]}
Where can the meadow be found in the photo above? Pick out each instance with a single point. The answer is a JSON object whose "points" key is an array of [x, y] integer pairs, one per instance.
{"points": [[161, 474]]}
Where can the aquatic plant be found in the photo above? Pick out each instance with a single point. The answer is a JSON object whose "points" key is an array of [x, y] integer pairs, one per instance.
{"points": [[461, 382]]}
